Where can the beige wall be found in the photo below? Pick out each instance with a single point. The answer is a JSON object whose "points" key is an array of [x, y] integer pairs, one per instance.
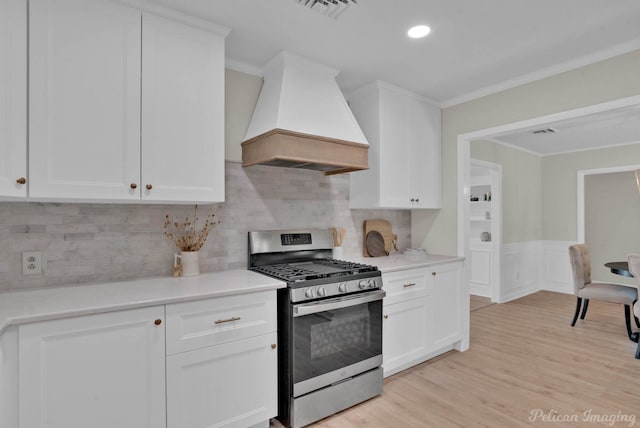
{"points": [[241, 94], [612, 219], [559, 186], [604, 81], [521, 206], [540, 192]]}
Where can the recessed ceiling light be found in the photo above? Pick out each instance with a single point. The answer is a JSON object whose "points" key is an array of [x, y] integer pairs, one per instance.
{"points": [[418, 31]]}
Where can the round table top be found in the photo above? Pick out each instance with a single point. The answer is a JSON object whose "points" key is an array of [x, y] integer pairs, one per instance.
{"points": [[619, 268]]}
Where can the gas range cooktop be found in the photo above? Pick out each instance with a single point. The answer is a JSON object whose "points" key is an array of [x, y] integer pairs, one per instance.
{"points": [[308, 270]]}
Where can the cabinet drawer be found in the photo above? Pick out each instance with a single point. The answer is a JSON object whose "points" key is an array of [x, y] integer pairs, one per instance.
{"points": [[232, 386], [197, 324], [404, 285]]}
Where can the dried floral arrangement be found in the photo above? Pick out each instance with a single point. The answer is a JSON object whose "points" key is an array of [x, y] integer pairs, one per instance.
{"points": [[187, 235]]}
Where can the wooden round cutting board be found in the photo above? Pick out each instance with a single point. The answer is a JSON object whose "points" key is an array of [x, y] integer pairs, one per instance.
{"points": [[382, 226], [374, 244]]}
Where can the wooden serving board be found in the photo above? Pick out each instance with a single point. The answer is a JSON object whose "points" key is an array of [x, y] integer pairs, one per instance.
{"points": [[374, 244], [382, 226]]}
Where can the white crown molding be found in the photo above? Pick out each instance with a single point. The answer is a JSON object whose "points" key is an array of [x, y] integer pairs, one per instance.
{"points": [[186, 18], [381, 84], [546, 72], [587, 149], [244, 67], [512, 146], [564, 152]]}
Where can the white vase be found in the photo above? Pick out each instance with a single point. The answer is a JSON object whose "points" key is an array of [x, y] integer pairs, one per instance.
{"points": [[188, 262], [338, 253]]}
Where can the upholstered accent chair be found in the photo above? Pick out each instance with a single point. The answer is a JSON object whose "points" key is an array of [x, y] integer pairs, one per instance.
{"points": [[634, 267], [586, 290]]}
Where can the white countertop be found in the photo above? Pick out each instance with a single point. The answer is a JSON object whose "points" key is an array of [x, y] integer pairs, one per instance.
{"points": [[18, 307], [397, 262]]}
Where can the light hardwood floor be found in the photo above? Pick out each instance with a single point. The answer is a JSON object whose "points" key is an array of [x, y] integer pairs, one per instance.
{"points": [[524, 356], [478, 302]]}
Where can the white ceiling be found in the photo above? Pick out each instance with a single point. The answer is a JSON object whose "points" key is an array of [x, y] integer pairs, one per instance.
{"points": [[613, 127], [475, 47]]}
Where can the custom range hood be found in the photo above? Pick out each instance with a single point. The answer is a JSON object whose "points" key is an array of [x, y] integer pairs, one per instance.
{"points": [[301, 120]]}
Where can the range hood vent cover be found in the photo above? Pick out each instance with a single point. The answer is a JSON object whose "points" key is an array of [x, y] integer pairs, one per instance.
{"points": [[302, 120]]}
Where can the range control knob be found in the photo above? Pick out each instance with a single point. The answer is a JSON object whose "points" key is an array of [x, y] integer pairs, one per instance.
{"points": [[310, 293], [364, 284], [321, 292], [342, 287]]}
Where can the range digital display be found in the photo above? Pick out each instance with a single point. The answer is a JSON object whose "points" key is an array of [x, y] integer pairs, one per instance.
{"points": [[295, 238]]}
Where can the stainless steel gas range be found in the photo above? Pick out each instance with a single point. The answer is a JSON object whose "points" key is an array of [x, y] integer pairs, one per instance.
{"points": [[329, 324]]}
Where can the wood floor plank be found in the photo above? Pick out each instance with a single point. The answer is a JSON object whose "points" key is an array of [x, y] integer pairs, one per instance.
{"points": [[524, 355]]}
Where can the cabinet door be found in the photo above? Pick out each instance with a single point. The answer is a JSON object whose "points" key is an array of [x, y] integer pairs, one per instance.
{"points": [[84, 91], [395, 155], [182, 112], [13, 97], [424, 155], [98, 371], [447, 305], [229, 385], [405, 335]]}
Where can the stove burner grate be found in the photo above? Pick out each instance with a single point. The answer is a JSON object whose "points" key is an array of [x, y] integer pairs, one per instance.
{"points": [[295, 272]]}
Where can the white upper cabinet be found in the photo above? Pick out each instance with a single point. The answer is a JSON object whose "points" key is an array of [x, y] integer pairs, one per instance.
{"points": [[84, 110], [124, 105], [182, 112], [13, 98], [405, 150]]}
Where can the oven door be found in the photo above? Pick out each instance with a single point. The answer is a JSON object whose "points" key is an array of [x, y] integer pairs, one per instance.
{"points": [[335, 339]]}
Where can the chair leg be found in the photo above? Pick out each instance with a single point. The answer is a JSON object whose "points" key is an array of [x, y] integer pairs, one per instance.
{"points": [[584, 309], [638, 352], [575, 316], [627, 319], [637, 321]]}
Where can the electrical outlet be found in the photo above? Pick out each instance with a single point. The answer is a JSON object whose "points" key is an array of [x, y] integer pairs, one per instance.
{"points": [[32, 263]]}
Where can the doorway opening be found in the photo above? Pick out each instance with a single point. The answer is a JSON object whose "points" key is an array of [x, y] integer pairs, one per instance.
{"points": [[464, 171]]}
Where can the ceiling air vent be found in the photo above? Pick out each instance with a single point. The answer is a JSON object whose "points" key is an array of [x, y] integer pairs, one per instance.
{"points": [[544, 131], [330, 8]]}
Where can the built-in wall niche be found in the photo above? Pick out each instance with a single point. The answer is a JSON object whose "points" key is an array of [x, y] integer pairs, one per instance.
{"points": [[484, 228], [481, 213]]}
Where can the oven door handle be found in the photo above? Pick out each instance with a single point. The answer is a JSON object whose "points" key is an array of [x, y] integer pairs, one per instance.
{"points": [[338, 303]]}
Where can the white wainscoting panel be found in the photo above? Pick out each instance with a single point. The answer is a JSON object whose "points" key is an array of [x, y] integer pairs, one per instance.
{"points": [[480, 270], [555, 269], [520, 270], [532, 266]]}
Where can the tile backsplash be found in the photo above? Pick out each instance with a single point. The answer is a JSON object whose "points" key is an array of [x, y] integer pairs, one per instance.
{"points": [[89, 243]]}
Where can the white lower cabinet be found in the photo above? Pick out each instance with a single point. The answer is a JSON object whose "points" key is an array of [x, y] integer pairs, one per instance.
{"points": [[98, 371], [119, 369], [446, 310], [423, 315], [230, 385], [222, 361], [405, 334]]}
